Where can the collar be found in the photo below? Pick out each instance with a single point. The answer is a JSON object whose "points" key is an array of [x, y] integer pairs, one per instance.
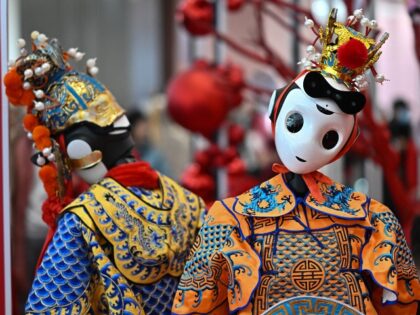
{"points": [[274, 198], [138, 173]]}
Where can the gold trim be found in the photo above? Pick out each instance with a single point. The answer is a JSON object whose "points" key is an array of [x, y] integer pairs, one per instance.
{"points": [[336, 34], [87, 161]]}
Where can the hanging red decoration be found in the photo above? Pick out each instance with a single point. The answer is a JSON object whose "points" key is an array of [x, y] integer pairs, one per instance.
{"points": [[234, 5], [199, 182], [200, 99], [236, 134], [197, 16], [233, 84]]}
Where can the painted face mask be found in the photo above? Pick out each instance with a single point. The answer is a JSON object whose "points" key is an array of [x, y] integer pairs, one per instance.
{"points": [[314, 121]]}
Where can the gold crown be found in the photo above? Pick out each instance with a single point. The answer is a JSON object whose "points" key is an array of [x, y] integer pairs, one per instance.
{"points": [[346, 53]]}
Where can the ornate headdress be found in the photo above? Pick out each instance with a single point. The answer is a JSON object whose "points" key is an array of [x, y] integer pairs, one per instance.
{"points": [[347, 54], [57, 97]]}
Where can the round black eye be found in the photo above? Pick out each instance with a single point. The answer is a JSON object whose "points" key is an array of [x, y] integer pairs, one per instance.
{"points": [[294, 122], [330, 139]]}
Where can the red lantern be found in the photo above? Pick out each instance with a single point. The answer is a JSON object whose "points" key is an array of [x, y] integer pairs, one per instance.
{"points": [[200, 99]]}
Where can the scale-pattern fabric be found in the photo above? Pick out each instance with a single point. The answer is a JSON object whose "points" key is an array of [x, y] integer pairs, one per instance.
{"points": [[118, 250]]}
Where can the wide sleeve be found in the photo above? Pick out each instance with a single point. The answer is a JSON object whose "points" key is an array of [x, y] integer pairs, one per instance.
{"points": [[222, 270], [388, 259], [63, 277], [76, 275]]}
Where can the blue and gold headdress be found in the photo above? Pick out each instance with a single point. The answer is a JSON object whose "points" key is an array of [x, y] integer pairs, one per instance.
{"points": [[63, 96], [57, 97]]}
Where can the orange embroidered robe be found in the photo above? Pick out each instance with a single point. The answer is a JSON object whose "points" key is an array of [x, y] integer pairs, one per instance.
{"points": [[270, 251]]}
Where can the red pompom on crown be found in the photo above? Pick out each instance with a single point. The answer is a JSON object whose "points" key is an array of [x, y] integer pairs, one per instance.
{"points": [[353, 54]]}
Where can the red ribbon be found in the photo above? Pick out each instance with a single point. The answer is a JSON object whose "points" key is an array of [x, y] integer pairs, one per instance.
{"points": [[311, 180]]}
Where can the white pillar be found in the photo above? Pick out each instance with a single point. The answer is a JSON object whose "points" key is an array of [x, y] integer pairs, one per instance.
{"points": [[5, 211]]}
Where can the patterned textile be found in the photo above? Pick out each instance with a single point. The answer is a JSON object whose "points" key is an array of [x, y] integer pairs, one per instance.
{"points": [[117, 250], [267, 246], [310, 305]]}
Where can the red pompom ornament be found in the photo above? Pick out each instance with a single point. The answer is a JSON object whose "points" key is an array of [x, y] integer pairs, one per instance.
{"points": [[197, 16], [353, 54]]}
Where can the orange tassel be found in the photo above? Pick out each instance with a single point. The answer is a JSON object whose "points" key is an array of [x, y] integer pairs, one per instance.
{"points": [[66, 56], [13, 80], [48, 175], [30, 122], [14, 93], [43, 143], [14, 90], [41, 136], [27, 98], [41, 132], [13, 100]]}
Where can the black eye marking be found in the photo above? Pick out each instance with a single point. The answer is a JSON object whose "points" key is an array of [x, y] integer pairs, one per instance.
{"points": [[316, 86], [330, 139], [300, 159], [294, 122], [323, 110]]}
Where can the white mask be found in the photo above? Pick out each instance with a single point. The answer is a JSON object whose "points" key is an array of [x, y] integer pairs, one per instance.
{"points": [[309, 132]]}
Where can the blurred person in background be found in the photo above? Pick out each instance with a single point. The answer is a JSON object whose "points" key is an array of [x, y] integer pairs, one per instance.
{"points": [[414, 11], [403, 143], [143, 145]]}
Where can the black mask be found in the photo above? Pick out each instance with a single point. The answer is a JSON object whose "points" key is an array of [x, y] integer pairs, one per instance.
{"points": [[114, 147]]}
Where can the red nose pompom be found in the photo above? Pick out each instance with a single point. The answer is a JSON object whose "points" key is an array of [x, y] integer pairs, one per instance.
{"points": [[352, 54]]}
